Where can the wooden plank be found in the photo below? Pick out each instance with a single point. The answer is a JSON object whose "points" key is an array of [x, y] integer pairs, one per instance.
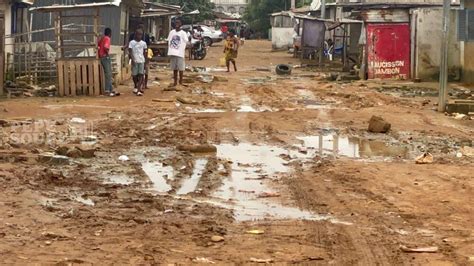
{"points": [[79, 86], [73, 78], [85, 85], [67, 84], [90, 77], [60, 77], [102, 79], [97, 91]]}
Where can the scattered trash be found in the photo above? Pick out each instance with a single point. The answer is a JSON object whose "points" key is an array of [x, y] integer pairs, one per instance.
{"points": [[90, 138], [283, 69], [268, 195], [261, 260], [203, 148], [419, 250], [458, 116], [425, 158], [168, 211], [255, 232], [459, 155], [78, 120], [53, 158], [124, 158], [217, 239], [203, 260], [378, 125], [467, 151]]}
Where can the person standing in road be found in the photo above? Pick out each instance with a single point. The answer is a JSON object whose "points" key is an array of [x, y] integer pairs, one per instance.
{"points": [[177, 41], [231, 47], [146, 38], [138, 51], [106, 62]]}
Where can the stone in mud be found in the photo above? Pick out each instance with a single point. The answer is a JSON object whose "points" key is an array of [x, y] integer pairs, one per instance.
{"points": [[220, 79], [62, 150], [74, 153], [203, 148], [186, 100], [87, 152], [378, 125]]}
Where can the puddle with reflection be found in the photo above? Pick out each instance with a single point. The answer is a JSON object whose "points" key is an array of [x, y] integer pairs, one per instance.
{"points": [[241, 189], [191, 184], [351, 147], [159, 175]]}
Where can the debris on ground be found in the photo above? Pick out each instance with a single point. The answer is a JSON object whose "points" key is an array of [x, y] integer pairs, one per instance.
{"points": [[268, 195], [261, 260], [203, 260], [217, 239], [78, 120], [419, 250], [124, 158], [255, 232], [283, 69], [425, 158], [378, 125], [467, 151]]}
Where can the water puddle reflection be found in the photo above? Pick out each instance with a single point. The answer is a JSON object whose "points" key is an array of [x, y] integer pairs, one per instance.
{"points": [[159, 175], [191, 184], [243, 188]]}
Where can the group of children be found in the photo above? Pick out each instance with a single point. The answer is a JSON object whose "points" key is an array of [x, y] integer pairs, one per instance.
{"points": [[140, 54]]}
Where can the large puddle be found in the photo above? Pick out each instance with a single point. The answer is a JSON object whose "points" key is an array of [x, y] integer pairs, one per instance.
{"points": [[246, 189], [251, 168]]}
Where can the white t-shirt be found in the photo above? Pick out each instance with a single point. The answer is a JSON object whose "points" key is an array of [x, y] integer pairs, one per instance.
{"points": [[137, 50], [177, 41]]}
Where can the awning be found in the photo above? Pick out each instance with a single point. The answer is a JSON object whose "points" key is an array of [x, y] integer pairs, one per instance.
{"points": [[54, 8]]}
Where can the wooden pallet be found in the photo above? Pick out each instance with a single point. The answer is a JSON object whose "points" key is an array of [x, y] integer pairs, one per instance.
{"points": [[79, 76]]}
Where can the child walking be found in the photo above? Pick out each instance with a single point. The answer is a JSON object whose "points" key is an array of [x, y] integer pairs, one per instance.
{"points": [[177, 41], [138, 51], [231, 47]]}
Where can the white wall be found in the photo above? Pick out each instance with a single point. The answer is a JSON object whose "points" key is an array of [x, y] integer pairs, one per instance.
{"points": [[282, 38], [428, 44]]}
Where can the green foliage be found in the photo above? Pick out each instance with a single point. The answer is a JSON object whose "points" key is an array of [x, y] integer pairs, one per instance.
{"points": [[205, 7], [258, 13]]}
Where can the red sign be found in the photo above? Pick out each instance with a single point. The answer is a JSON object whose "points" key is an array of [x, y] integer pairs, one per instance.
{"points": [[388, 51]]}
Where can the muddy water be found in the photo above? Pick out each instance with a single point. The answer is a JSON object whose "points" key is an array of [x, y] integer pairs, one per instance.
{"points": [[351, 147], [191, 184], [252, 167], [159, 175]]}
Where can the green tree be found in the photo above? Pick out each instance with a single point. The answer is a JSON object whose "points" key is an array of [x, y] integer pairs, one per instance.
{"points": [[258, 13], [205, 8]]}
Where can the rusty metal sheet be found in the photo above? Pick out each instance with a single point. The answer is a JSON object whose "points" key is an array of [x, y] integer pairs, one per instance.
{"points": [[388, 51]]}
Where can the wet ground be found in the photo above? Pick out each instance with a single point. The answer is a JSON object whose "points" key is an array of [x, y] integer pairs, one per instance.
{"points": [[244, 167]]}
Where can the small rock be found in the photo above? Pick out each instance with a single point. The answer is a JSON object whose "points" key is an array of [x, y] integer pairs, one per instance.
{"points": [[425, 158], [87, 152], [378, 125], [204, 148], [124, 158], [74, 153], [217, 239]]}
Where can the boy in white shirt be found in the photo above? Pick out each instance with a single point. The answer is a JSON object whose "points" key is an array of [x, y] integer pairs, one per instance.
{"points": [[177, 41], [137, 49]]}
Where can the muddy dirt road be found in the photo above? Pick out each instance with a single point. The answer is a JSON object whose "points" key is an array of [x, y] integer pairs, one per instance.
{"points": [[245, 167]]}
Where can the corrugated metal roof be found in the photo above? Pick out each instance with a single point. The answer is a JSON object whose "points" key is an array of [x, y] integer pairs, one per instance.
{"points": [[53, 8]]}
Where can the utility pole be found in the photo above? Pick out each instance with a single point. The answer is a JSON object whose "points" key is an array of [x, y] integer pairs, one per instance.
{"points": [[323, 16], [323, 9], [443, 67]]}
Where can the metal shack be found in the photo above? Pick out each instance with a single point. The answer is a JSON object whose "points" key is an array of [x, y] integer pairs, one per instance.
{"points": [[387, 44]]}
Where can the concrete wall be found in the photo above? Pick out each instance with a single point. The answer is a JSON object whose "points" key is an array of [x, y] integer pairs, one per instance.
{"points": [[282, 38], [468, 70], [428, 44]]}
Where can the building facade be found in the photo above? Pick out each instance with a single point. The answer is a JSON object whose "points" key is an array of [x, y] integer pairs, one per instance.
{"points": [[231, 6]]}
